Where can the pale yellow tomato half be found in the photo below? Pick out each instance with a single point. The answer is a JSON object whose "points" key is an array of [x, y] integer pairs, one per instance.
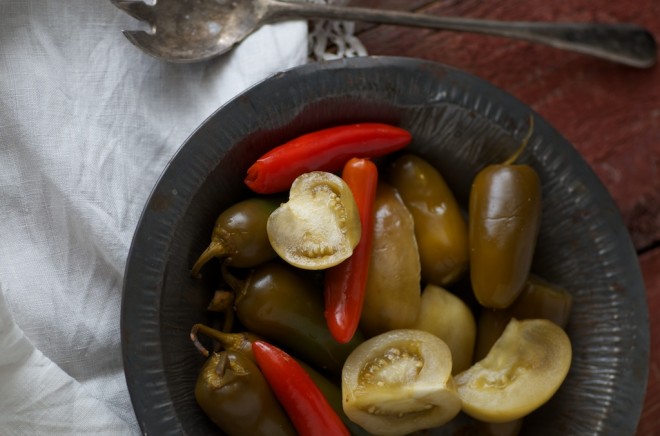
{"points": [[319, 226], [399, 382], [523, 369]]}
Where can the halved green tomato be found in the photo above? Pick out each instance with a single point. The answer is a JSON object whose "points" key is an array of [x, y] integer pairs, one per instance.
{"points": [[539, 299], [523, 369], [399, 382], [319, 226]]}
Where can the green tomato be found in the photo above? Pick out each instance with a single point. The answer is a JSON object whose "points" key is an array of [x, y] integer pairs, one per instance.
{"points": [[525, 367], [449, 318], [319, 226], [399, 382]]}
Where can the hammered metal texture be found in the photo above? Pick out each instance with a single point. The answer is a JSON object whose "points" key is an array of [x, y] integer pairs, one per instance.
{"points": [[459, 123]]}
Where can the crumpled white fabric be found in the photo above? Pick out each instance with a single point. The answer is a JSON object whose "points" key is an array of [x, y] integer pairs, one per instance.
{"points": [[87, 124]]}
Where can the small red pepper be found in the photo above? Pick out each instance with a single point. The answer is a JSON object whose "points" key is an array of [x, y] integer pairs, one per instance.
{"points": [[345, 283], [323, 150], [309, 411]]}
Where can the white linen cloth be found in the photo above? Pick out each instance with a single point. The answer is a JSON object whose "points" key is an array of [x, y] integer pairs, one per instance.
{"points": [[87, 124]]}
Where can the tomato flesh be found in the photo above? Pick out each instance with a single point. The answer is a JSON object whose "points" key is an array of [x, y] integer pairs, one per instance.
{"points": [[319, 226], [523, 369], [399, 382]]}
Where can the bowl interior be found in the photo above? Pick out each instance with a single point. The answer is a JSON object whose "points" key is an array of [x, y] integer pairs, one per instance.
{"points": [[459, 124]]}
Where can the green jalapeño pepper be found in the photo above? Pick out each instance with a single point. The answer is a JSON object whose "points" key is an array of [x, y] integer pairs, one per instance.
{"points": [[238, 342], [279, 305], [440, 229], [504, 220], [240, 236], [234, 394], [242, 342], [393, 292]]}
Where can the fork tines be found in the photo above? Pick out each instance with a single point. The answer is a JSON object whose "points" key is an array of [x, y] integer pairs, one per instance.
{"points": [[137, 9]]}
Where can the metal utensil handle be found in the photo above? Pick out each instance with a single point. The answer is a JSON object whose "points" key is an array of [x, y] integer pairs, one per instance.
{"points": [[627, 44]]}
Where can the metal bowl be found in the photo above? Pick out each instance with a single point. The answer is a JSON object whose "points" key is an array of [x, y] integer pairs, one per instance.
{"points": [[460, 123]]}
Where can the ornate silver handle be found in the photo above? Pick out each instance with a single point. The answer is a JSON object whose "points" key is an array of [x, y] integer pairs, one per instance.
{"points": [[627, 44]]}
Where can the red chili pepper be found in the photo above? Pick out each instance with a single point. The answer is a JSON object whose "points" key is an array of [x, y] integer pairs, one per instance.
{"points": [[345, 283], [309, 411], [323, 150]]}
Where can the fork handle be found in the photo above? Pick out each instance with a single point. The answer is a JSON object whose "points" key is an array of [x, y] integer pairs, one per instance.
{"points": [[626, 44]]}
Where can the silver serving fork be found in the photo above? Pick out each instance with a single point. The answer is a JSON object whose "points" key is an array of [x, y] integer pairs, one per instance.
{"points": [[197, 30]]}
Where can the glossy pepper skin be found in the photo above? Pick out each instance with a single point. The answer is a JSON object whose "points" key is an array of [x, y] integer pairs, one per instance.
{"points": [[234, 394], [239, 235], [281, 306], [332, 394], [393, 292], [242, 342], [238, 342], [299, 395], [345, 284], [324, 150], [504, 221], [441, 230]]}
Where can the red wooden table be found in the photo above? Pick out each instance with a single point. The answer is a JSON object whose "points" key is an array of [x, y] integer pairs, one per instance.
{"points": [[610, 113]]}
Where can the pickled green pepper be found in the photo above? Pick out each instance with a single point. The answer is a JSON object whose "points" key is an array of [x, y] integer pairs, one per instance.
{"points": [[504, 221], [277, 303], [233, 393], [242, 342], [239, 235], [440, 228]]}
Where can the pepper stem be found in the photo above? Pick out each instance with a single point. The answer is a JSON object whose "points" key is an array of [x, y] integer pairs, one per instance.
{"points": [[193, 337], [234, 282], [215, 249], [229, 319], [523, 144], [221, 301], [229, 341], [221, 367]]}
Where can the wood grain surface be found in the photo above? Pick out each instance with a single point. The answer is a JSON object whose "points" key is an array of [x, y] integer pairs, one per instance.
{"points": [[610, 113]]}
